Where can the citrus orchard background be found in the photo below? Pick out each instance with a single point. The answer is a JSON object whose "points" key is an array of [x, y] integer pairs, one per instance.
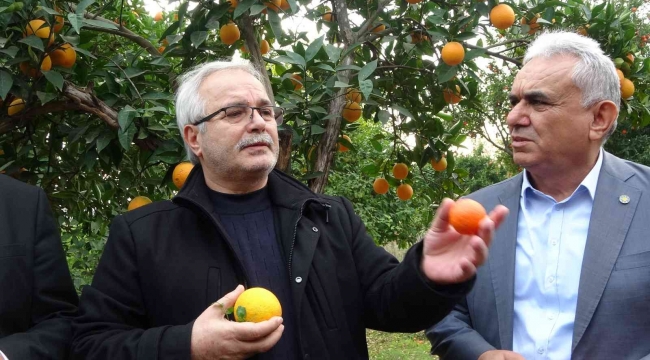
{"points": [[379, 97]]}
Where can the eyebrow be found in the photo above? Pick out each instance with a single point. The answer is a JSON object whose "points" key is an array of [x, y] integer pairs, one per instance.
{"points": [[530, 95], [263, 102]]}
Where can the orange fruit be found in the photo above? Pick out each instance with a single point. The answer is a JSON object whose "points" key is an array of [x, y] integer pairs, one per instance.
{"points": [[351, 111], [243, 49], [418, 37], [39, 28], [164, 42], [161, 49], [180, 173], [400, 171], [175, 17], [255, 305], [629, 58], [297, 81], [439, 165], [65, 56], [284, 5], [158, 16], [380, 186], [58, 21], [273, 5], [138, 201], [582, 31], [620, 75], [379, 28], [16, 106], [233, 5], [465, 216], [229, 33], [342, 147], [627, 88], [413, 1], [353, 95], [502, 16], [265, 47], [327, 16], [404, 192], [453, 53], [452, 97]]}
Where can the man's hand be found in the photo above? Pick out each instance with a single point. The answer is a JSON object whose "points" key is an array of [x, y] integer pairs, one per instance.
{"points": [[449, 257], [500, 355], [215, 337]]}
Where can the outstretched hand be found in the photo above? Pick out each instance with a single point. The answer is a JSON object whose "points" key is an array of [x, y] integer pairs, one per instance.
{"points": [[449, 257]]}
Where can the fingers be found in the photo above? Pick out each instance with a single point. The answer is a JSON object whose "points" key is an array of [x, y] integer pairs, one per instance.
{"points": [[265, 344], [228, 300], [498, 214], [441, 220], [249, 331]]}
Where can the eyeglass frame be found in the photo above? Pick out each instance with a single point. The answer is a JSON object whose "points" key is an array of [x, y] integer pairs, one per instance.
{"points": [[278, 118]]}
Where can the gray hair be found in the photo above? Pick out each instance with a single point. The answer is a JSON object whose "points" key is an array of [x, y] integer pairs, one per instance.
{"points": [[190, 106], [594, 74]]}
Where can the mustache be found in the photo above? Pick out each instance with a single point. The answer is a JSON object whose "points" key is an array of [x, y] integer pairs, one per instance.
{"points": [[255, 139]]}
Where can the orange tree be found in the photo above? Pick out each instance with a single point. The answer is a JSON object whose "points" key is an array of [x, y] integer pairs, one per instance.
{"points": [[86, 88]]}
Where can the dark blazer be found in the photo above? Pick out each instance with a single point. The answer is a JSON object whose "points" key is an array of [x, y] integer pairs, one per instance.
{"points": [[166, 262], [37, 297], [613, 312]]}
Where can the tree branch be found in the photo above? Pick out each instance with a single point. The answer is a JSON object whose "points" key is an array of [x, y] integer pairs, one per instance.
{"points": [[506, 58], [367, 25]]}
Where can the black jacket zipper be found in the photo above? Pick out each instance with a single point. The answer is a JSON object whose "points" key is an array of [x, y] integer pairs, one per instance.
{"points": [[295, 228]]}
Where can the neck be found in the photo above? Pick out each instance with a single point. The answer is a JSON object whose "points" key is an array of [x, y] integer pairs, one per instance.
{"points": [[560, 183], [236, 184]]}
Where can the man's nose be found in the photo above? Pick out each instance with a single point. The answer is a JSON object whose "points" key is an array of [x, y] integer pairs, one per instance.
{"points": [[518, 116]]}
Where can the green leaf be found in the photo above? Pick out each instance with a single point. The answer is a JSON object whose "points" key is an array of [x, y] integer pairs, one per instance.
{"points": [[160, 61], [81, 7], [11, 51], [85, 52], [276, 25], [241, 314], [370, 170], [376, 145], [465, 36], [6, 82], [473, 54], [55, 78], [256, 9], [312, 175], [198, 37], [45, 97], [297, 59], [99, 24], [348, 67], [340, 84], [317, 130], [103, 140], [125, 137], [76, 21], [366, 88], [383, 116], [333, 53], [154, 95], [313, 48], [125, 117], [447, 74], [367, 70], [587, 12], [33, 41], [403, 111], [325, 67], [242, 7]]}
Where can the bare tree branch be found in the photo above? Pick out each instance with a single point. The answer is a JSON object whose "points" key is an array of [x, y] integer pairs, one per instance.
{"points": [[503, 57]]}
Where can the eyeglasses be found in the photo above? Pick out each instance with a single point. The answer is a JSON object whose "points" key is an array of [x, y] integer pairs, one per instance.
{"points": [[237, 113]]}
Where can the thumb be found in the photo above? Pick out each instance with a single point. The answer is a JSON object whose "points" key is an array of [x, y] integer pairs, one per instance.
{"points": [[228, 300], [441, 221]]}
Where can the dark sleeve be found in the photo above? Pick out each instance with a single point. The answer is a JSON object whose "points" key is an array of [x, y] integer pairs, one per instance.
{"points": [[54, 299], [454, 338], [397, 296], [112, 321]]}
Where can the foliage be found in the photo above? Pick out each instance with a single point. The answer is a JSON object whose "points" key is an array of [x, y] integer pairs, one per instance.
{"points": [[398, 346], [483, 170], [631, 143]]}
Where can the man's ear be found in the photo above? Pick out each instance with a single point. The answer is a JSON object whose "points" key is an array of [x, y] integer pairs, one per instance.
{"points": [[605, 113], [192, 137]]}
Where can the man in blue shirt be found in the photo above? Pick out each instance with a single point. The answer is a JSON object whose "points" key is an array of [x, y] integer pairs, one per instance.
{"points": [[569, 275]]}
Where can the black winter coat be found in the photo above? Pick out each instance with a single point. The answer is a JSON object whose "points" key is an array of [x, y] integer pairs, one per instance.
{"points": [[165, 263]]}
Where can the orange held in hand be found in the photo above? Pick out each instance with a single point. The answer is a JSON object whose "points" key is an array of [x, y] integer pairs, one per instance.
{"points": [[181, 171], [465, 216], [256, 305]]}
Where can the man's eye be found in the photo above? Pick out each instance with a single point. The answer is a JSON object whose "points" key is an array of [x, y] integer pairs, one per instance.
{"points": [[266, 111], [235, 112]]}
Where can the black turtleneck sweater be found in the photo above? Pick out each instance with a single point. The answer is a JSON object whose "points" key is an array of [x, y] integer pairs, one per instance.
{"points": [[248, 220]]}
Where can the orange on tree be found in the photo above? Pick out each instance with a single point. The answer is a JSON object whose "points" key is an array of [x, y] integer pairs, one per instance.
{"points": [[413, 1], [582, 31], [450, 96], [502, 16], [39, 28], [418, 37], [180, 173], [439, 165], [65, 56], [158, 16], [273, 5], [629, 58], [465, 216], [138, 201], [343, 148], [400, 171], [379, 28], [164, 42], [627, 88], [284, 5], [229, 33], [233, 5], [380, 186], [620, 74], [16, 106], [175, 17], [161, 49], [296, 80], [453, 53], [404, 192], [265, 47], [58, 21], [351, 111], [46, 65], [353, 95], [256, 305], [243, 49], [327, 16]]}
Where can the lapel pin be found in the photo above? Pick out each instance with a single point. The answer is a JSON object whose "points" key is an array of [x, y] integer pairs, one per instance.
{"points": [[624, 199]]}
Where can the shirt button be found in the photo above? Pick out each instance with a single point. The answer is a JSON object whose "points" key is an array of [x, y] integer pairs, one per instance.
{"points": [[314, 229], [551, 279], [298, 279], [540, 351]]}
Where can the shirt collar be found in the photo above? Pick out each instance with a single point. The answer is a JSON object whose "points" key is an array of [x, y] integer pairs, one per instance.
{"points": [[590, 182]]}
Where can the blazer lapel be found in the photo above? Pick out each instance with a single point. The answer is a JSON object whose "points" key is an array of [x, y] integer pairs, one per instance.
{"points": [[502, 261], [608, 226]]}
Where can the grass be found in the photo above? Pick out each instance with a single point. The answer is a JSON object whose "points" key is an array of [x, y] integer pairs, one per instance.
{"points": [[396, 346]]}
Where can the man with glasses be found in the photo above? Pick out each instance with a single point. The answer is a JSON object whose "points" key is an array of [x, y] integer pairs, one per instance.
{"points": [[171, 270]]}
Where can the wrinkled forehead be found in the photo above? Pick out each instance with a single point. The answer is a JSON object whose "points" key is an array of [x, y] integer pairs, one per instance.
{"points": [[233, 86], [554, 72]]}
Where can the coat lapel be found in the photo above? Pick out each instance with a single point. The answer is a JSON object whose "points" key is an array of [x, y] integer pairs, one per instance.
{"points": [[502, 261], [608, 226]]}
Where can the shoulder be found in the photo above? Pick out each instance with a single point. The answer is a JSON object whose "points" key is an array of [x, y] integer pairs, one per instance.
{"points": [[510, 186], [151, 212], [13, 188]]}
